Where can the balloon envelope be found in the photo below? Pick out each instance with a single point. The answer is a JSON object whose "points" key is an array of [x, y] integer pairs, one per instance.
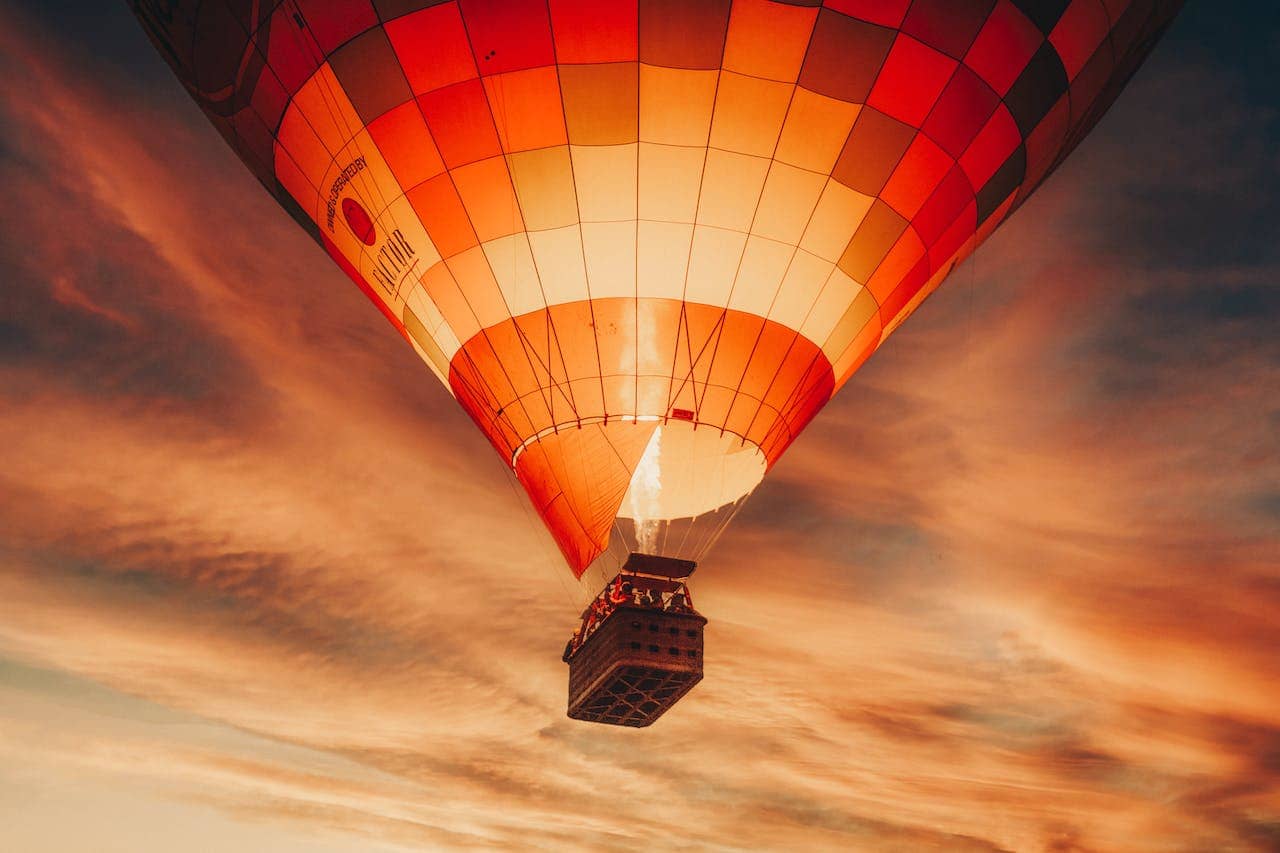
{"points": [[643, 243]]}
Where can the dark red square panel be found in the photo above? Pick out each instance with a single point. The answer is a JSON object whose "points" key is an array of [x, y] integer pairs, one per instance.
{"points": [[917, 176], [509, 35], [270, 100], [1043, 13], [911, 81], [960, 113], [1078, 33], [998, 139], [1132, 26], [943, 206], [683, 34], [370, 74], [1011, 175], [886, 13], [1037, 89], [1090, 82], [872, 151], [957, 233], [389, 10], [291, 51], [947, 25], [334, 24], [1003, 47], [1045, 141], [844, 57]]}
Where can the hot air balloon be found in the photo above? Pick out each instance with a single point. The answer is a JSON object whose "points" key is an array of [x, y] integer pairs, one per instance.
{"points": [[643, 242]]}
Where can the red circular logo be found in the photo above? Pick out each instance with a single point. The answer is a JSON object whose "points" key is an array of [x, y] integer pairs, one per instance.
{"points": [[359, 222]]}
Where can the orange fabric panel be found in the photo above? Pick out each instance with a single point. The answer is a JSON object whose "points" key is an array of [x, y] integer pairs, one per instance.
{"points": [[540, 371], [490, 200], [526, 108], [600, 102], [896, 265], [405, 143], [577, 478], [768, 39], [440, 209]]}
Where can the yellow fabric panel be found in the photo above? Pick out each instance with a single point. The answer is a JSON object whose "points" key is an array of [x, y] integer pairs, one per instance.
{"points": [[471, 271], [815, 131], [558, 256], [764, 263], [670, 180], [663, 257], [713, 264], [605, 176], [862, 310], [790, 195], [512, 263], [800, 288], [839, 213], [610, 250], [731, 186], [837, 295], [544, 186]]}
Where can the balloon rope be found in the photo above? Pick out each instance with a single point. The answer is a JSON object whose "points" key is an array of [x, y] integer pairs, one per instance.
{"points": [[539, 533]]}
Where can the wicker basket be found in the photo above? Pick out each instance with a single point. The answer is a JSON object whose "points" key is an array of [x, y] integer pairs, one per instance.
{"points": [[638, 663]]}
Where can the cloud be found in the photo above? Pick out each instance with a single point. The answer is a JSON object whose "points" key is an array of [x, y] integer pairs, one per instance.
{"points": [[1013, 590]]}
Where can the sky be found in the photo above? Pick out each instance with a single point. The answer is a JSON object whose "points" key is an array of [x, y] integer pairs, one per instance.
{"points": [[263, 586]]}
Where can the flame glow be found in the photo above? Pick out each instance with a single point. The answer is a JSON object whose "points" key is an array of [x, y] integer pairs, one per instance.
{"points": [[645, 491]]}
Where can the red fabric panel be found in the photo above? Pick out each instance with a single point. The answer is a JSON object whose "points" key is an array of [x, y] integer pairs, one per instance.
{"points": [[1003, 47], [508, 35], [461, 123], [911, 81], [591, 31]]}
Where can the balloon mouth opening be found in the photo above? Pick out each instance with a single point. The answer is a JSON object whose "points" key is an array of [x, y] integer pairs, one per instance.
{"points": [[687, 471]]}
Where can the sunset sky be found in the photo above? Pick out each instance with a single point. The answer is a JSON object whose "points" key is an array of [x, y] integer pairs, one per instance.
{"points": [[264, 586]]}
